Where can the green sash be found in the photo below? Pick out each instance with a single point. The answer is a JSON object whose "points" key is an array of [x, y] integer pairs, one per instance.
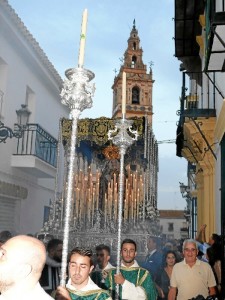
{"points": [[89, 295], [136, 275]]}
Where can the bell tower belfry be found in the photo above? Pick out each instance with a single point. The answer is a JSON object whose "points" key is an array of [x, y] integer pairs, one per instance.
{"points": [[138, 83]]}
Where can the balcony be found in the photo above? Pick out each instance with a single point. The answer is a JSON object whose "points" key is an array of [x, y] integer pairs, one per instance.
{"points": [[215, 36], [36, 152], [184, 229], [197, 102], [198, 99]]}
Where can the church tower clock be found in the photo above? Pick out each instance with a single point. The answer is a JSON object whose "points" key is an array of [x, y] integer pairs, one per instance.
{"points": [[138, 83]]}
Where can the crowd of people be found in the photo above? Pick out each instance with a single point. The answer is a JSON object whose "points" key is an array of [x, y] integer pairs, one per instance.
{"points": [[171, 270]]}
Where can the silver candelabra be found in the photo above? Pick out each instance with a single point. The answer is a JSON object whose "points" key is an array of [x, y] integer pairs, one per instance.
{"points": [[123, 140], [77, 94]]}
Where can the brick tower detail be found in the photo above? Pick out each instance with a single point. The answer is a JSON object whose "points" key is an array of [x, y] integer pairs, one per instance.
{"points": [[138, 84]]}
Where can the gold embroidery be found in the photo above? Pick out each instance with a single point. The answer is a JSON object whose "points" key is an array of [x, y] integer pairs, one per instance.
{"points": [[95, 130]]}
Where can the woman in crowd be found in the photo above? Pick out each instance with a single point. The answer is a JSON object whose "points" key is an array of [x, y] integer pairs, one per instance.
{"points": [[214, 256], [163, 277]]}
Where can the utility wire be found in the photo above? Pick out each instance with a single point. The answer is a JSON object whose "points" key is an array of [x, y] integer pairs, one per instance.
{"points": [[172, 141]]}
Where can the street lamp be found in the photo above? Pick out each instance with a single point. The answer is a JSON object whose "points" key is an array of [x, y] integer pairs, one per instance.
{"points": [[22, 119], [189, 210], [23, 115], [184, 190]]}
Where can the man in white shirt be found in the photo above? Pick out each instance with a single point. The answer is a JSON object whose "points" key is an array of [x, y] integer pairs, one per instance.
{"points": [[80, 285], [134, 282], [191, 277], [22, 259]]}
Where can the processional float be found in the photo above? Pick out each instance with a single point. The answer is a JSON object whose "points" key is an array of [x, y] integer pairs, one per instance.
{"points": [[120, 202]]}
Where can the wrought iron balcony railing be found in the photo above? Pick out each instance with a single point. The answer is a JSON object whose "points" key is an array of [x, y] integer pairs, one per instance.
{"points": [[196, 101], [37, 142], [198, 96]]}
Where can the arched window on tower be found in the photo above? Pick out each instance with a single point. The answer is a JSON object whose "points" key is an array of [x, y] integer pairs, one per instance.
{"points": [[134, 60], [135, 95], [134, 46]]}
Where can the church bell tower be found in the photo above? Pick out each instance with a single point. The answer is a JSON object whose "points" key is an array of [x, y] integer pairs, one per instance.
{"points": [[138, 83]]}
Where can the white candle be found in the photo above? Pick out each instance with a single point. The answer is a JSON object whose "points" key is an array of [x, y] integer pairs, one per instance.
{"points": [[124, 83], [82, 39]]}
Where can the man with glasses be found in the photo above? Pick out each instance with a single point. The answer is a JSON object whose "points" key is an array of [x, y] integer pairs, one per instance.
{"points": [[103, 265], [191, 277], [135, 283]]}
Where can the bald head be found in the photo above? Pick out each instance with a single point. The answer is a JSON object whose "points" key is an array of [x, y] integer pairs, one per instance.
{"points": [[23, 253], [28, 250]]}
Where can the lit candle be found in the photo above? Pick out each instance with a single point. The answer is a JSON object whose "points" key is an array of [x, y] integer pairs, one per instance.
{"points": [[82, 39], [124, 83]]}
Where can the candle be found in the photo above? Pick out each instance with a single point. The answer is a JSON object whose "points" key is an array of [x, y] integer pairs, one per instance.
{"points": [[124, 93], [82, 39]]}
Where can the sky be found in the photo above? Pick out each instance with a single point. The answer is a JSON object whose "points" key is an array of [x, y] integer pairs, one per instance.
{"points": [[56, 25]]}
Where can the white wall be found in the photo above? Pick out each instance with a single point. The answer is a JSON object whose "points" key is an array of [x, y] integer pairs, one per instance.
{"points": [[22, 69], [177, 223]]}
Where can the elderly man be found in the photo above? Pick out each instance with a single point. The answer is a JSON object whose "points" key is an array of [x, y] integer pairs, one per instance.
{"points": [[135, 283], [80, 285], [22, 259], [191, 277]]}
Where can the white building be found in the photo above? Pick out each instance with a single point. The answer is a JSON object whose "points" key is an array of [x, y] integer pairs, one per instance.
{"points": [[173, 224], [28, 164]]}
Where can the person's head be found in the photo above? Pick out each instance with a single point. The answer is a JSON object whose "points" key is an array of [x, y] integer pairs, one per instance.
{"points": [[54, 249], [103, 255], [128, 252], [153, 243], [190, 251], [22, 259], [170, 258], [214, 253], [80, 266], [214, 239], [168, 246]]}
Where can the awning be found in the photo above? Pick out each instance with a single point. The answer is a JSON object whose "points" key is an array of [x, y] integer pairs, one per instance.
{"points": [[187, 27]]}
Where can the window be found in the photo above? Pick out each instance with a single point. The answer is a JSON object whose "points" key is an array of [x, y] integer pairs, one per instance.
{"points": [[134, 60], [30, 102], [3, 83], [170, 227], [134, 46], [46, 214], [135, 95]]}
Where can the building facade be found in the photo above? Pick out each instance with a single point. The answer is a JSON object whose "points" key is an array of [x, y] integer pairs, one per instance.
{"points": [[200, 130], [200, 46], [173, 224], [28, 81]]}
